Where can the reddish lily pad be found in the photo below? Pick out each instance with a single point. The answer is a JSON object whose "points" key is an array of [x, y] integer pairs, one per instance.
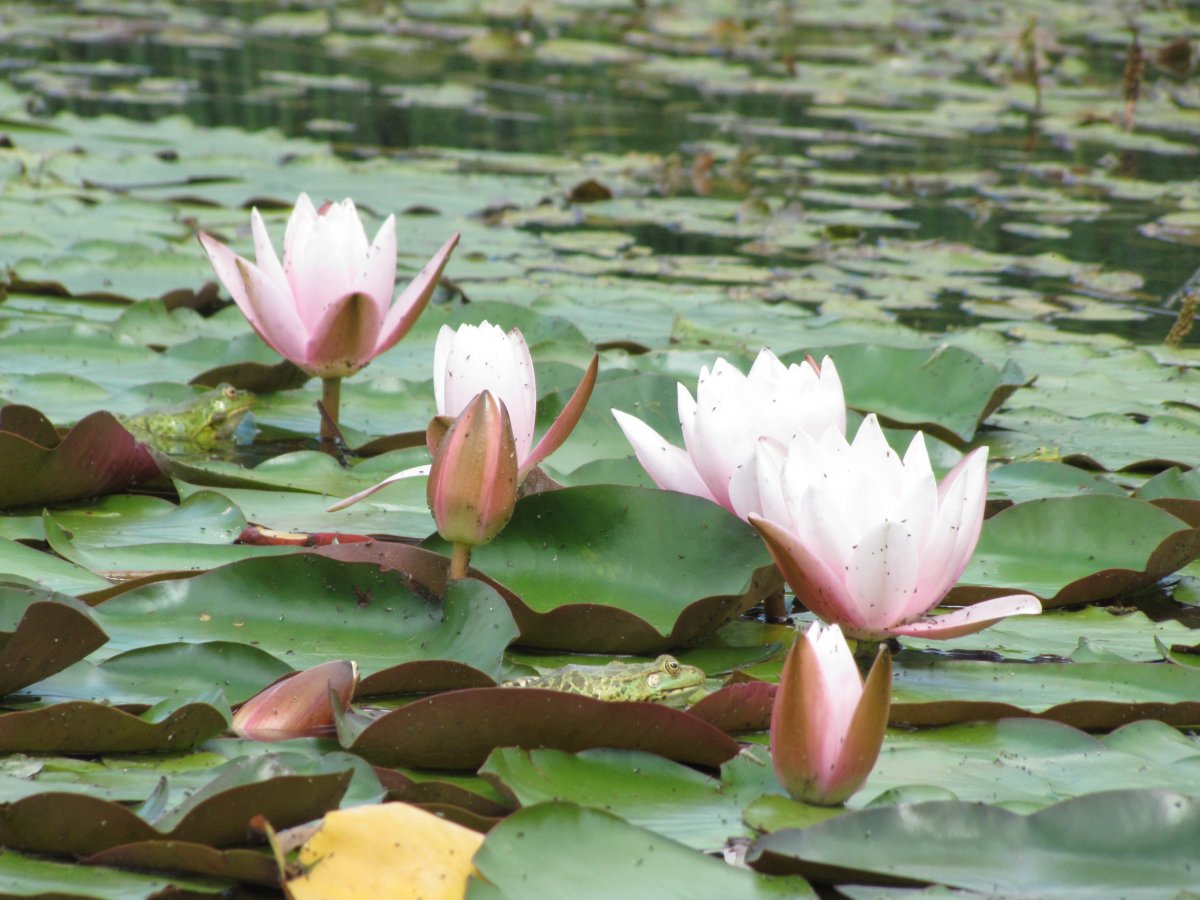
{"points": [[53, 631], [283, 788], [742, 706], [619, 569], [458, 729], [78, 726], [247, 866], [1068, 550], [402, 788], [97, 456]]}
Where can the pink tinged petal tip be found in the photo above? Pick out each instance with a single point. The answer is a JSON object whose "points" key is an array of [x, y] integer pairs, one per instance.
{"points": [[408, 306], [414, 472], [343, 340], [298, 705], [969, 619]]}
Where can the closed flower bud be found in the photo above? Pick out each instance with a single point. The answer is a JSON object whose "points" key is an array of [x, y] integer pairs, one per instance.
{"points": [[299, 705], [473, 482]]}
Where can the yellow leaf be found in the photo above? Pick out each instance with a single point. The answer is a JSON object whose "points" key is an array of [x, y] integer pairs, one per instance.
{"points": [[390, 850]]}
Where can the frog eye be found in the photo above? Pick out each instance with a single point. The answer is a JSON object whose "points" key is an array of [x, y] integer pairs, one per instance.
{"points": [[230, 392], [653, 679], [672, 666]]}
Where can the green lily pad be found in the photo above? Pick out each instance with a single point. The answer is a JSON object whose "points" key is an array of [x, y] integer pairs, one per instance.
{"points": [[665, 797], [242, 866], [24, 563], [1135, 841], [522, 857], [31, 876], [1091, 695], [1071, 550], [41, 633], [616, 569], [458, 729], [305, 609], [1021, 481], [946, 392]]}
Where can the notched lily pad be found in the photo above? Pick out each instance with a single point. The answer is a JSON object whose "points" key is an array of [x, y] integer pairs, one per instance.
{"points": [[619, 569], [97, 456], [741, 706], [78, 726], [41, 633], [1070, 550], [458, 729]]}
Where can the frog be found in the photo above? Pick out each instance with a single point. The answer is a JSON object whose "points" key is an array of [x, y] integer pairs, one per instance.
{"points": [[665, 678], [205, 421]]}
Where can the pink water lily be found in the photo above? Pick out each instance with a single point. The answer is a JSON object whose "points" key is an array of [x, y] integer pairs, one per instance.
{"points": [[722, 425], [328, 307], [827, 726], [872, 542]]}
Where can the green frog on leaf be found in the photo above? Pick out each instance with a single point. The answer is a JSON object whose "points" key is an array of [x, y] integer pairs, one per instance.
{"points": [[204, 422], [665, 678]]}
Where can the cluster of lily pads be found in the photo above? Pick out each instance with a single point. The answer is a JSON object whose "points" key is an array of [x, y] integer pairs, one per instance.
{"points": [[174, 613]]}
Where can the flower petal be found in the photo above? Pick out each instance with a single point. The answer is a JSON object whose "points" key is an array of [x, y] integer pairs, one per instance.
{"points": [[669, 466], [561, 428], [970, 619], [377, 278], [343, 339], [271, 313], [814, 583], [414, 472], [412, 300]]}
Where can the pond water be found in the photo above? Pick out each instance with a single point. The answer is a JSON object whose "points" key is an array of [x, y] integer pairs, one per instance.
{"points": [[875, 120]]}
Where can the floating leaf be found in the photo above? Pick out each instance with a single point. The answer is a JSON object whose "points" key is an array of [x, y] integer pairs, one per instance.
{"points": [[1076, 549], [458, 729], [1133, 841], [608, 568], [41, 633], [522, 857]]}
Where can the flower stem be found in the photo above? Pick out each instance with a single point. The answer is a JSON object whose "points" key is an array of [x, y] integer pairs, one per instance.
{"points": [[331, 399], [460, 556]]}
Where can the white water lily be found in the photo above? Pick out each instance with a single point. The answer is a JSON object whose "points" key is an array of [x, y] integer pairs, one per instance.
{"points": [[722, 425]]}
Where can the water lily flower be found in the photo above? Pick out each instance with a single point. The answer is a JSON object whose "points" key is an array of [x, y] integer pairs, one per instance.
{"points": [[298, 705], [472, 485], [871, 542], [722, 425], [476, 358], [328, 307], [827, 726]]}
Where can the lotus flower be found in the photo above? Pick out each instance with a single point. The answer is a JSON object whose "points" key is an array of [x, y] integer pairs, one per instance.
{"points": [[478, 358], [826, 726], [871, 542], [328, 307], [722, 425], [473, 482]]}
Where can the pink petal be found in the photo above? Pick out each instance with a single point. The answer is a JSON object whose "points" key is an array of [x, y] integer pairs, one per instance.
{"points": [[321, 266], [970, 619], [378, 276], [363, 494], [343, 339], [561, 428], [299, 225], [517, 388], [264, 252], [271, 313], [441, 359], [814, 583], [884, 575], [224, 263], [405, 309], [669, 466]]}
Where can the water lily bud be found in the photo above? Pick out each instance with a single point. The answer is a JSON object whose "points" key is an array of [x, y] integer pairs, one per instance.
{"points": [[299, 705], [473, 482], [827, 726]]}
